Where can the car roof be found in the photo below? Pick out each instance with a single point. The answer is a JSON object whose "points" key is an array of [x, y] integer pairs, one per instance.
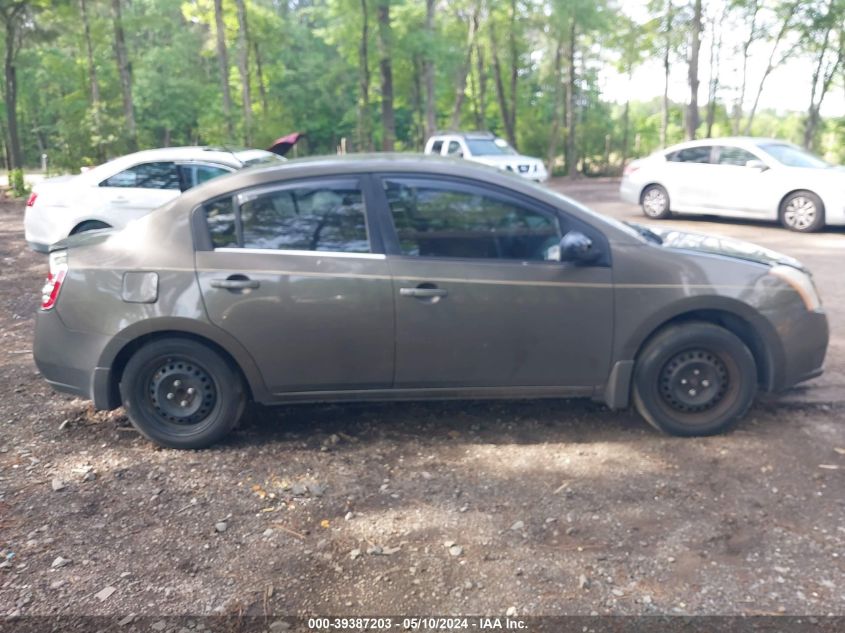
{"points": [[736, 141], [356, 164], [235, 157], [466, 135]]}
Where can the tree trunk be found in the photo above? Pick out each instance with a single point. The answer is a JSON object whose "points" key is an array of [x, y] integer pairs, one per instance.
{"points": [[664, 120], [481, 69], [500, 88], [92, 78], [692, 119], [715, 63], [223, 61], [514, 72], [14, 160], [125, 71], [752, 35], [555, 131], [771, 65], [571, 158], [822, 76], [262, 89], [428, 71], [365, 137], [385, 42], [463, 73], [243, 67]]}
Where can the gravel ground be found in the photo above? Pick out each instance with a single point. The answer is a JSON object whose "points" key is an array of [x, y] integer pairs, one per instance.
{"points": [[543, 508]]}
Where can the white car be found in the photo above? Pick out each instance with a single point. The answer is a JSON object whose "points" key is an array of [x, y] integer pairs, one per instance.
{"points": [[739, 177], [116, 192], [488, 149]]}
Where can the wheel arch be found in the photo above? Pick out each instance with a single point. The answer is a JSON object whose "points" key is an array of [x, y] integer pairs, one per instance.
{"points": [[78, 223], [799, 190], [758, 334], [113, 360]]}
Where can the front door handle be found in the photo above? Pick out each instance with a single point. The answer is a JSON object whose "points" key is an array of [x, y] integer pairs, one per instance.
{"points": [[235, 282], [422, 292]]}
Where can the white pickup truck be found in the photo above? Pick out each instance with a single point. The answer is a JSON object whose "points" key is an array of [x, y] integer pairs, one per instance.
{"points": [[486, 148]]}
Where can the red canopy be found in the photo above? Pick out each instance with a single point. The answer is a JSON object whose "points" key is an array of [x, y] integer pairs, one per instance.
{"points": [[282, 145]]}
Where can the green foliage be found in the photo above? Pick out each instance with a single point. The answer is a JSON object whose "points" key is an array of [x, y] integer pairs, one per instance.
{"points": [[17, 184], [305, 75]]}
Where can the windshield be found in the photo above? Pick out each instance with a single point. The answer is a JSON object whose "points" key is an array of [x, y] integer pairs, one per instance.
{"points": [[793, 156], [489, 147]]}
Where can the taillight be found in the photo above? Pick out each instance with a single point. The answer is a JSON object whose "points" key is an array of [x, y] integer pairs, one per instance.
{"points": [[31, 200], [53, 285], [630, 169]]}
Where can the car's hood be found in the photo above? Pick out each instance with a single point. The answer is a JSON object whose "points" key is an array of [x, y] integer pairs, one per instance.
{"points": [[725, 246]]}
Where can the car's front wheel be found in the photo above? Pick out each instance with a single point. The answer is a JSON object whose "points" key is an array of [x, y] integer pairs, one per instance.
{"points": [[694, 378], [802, 211], [655, 202], [180, 393]]}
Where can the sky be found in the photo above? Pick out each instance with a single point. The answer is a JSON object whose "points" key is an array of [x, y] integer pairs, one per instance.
{"points": [[787, 87]]}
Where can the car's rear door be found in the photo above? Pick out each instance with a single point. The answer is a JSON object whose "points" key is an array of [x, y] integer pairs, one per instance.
{"points": [[136, 191], [690, 178], [296, 273], [480, 301]]}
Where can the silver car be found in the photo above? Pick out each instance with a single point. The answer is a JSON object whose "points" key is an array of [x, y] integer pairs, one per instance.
{"points": [[739, 177], [402, 277]]}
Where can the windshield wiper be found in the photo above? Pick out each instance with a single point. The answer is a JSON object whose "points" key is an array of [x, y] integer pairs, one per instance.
{"points": [[646, 232]]}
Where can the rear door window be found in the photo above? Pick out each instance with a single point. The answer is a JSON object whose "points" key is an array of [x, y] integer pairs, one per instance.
{"points": [[158, 175], [699, 154], [314, 216]]}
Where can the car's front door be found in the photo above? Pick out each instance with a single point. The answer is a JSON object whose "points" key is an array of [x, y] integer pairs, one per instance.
{"points": [[742, 189], [480, 300], [295, 272]]}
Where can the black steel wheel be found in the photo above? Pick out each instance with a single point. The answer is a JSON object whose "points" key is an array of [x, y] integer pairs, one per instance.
{"points": [[694, 378], [181, 394]]}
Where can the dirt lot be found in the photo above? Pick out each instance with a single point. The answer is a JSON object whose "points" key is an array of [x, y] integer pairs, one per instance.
{"points": [[551, 507]]}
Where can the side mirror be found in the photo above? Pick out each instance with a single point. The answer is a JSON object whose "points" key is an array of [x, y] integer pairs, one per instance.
{"points": [[577, 248], [757, 164], [459, 153]]}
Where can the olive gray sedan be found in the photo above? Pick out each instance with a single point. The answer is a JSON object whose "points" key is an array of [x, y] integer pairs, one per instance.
{"points": [[408, 278]]}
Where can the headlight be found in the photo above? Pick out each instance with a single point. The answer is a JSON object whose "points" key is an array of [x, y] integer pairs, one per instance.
{"points": [[800, 283]]}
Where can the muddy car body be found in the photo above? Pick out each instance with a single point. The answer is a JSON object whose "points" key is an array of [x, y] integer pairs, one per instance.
{"points": [[398, 277]]}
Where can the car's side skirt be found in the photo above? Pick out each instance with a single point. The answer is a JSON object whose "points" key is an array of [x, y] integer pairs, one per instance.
{"points": [[462, 393]]}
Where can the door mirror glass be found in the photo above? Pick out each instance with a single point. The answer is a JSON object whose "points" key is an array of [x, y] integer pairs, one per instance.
{"points": [[577, 248], [756, 164]]}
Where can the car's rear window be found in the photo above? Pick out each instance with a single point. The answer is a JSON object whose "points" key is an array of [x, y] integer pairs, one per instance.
{"points": [[220, 218]]}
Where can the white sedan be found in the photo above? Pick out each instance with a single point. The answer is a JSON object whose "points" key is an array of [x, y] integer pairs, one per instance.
{"points": [[741, 177], [116, 192]]}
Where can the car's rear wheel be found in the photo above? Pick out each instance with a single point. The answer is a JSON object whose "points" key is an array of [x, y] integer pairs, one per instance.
{"points": [[655, 202], [89, 225], [180, 393], [694, 378], [802, 211]]}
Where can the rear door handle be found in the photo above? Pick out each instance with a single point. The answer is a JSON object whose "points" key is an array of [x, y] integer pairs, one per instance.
{"points": [[120, 200], [235, 284], [422, 292]]}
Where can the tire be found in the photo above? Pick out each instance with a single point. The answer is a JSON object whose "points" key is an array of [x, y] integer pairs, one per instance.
{"points": [[693, 379], [89, 225], [802, 211], [655, 202], [208, 396]]}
